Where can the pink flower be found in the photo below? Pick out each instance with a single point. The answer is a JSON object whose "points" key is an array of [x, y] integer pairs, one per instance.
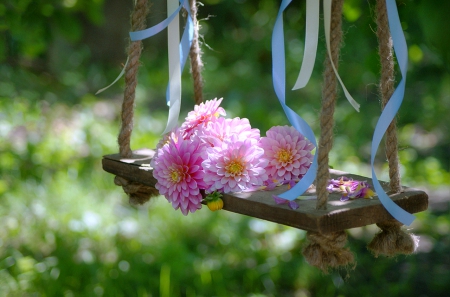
{"points": [[178, 171], [202, 115], [234, 166], [215, 132], [288, 153]]}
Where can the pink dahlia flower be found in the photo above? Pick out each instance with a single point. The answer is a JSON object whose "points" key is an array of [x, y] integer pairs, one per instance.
{"points": [[178, 171], [201, 115], [288, 153], [215, 132], [234, 166]]}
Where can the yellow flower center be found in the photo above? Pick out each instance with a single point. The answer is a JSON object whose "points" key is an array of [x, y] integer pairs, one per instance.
{"points": [[284, 156], [175, 176], [234, 168]]}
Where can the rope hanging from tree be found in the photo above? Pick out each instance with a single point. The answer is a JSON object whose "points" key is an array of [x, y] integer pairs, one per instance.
{"points": [[386, 87], [391, 240], [327, 250], [195, 55], [138, 22], [329, 95], [138, 193]]}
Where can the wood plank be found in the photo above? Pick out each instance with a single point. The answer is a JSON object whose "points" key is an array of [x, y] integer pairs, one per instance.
{"points": [[260, 204]]}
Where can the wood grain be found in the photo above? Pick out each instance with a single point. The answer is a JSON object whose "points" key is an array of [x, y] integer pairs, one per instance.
{"points": [[260, 204]]}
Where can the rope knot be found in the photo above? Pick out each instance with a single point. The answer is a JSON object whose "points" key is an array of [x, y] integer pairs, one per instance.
{"points": [[327, 250], [137, 193], [392, 240]]}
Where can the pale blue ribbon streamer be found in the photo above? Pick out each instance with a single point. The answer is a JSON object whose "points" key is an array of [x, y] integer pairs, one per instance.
{"points": [[118, 77], [149, 32], [390, 111], [327, 24], [186, 39], [311, 41], [279, 83], [185, 45], [173, 93]]}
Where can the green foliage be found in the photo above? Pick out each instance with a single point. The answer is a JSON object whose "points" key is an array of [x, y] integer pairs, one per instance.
{"points": [[68, 231], [30, 26]]}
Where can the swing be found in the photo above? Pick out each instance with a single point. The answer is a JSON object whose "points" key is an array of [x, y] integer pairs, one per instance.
{"points": [[321, 213]]}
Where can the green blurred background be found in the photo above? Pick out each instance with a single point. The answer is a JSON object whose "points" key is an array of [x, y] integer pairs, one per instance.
{"points": [[66, 230]]}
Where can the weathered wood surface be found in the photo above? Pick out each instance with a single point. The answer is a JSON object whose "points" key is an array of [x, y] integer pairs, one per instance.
{"points": [[260, 204]]}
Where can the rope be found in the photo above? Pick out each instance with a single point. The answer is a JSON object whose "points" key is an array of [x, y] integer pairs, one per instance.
{"points": [[138, 22], [329, 94], [391, 240], [138, 193], [327, 250], [195, 57], [386, 90]]}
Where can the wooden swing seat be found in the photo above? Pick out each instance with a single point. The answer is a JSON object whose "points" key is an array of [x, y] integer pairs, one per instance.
{"points": [[260, 204]]}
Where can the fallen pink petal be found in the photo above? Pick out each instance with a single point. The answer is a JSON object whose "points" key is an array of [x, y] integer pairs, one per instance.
{"points": [[292, 204], [350, 189]]}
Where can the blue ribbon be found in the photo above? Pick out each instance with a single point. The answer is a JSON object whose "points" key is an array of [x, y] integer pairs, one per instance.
{"points": [[311, 41], [185, 44], [149, 32], [390, 110], [186, 39], [279, 83]]}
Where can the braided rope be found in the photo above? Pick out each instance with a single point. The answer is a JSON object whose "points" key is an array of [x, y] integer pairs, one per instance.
{"points": [[195, 54], [138, 22], [327, 250], [329, 94], [138, 193], [392, 240], [386, 90]]}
